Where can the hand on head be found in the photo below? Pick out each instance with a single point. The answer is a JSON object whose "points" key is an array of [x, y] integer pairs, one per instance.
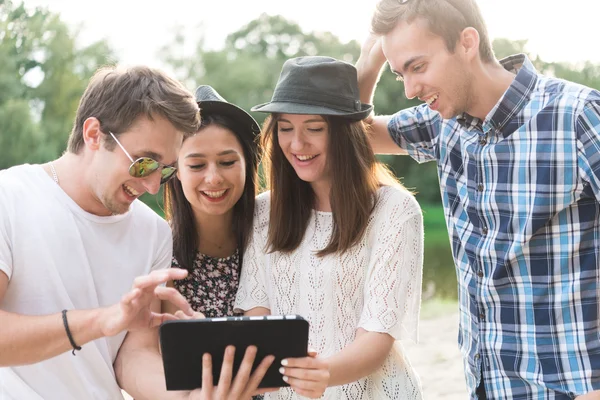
{"points": [[371, 59]]}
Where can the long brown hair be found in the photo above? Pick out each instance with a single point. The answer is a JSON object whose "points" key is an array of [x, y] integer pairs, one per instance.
{"points": [[180, 215], [356, 175]]}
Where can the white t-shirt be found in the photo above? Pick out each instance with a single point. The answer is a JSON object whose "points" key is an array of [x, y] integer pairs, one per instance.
{"points": [[58, 256], [376, 286]]}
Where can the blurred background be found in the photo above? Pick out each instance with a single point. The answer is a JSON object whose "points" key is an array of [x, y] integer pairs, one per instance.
{"points": [[49, 50]]}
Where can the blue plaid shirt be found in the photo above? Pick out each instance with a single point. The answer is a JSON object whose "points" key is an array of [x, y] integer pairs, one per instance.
{"points": [[521, 192]]}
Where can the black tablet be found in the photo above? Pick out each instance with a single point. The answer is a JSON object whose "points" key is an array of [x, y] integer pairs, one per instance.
{"points": [[184, 342]]}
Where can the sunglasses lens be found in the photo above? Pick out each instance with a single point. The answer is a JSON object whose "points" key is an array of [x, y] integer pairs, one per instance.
{"points": [[167, 173], [143, 167]]}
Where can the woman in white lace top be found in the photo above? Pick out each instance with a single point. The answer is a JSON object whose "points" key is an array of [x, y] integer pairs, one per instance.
{"points": [[336, 240]]}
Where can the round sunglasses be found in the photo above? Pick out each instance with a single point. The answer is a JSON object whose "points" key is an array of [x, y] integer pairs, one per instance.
{"points": [[144, 166]]}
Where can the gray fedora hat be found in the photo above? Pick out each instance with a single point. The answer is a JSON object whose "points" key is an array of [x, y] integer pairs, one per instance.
{"points": [[211, 102], [317, 85]]}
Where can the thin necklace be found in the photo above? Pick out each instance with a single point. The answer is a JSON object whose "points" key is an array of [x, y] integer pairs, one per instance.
{"points": [[54, 176]]}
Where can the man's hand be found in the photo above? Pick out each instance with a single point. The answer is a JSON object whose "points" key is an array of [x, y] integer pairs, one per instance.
{"points": [[134, 311], [308, 376], [244, 385], [371, 57]]}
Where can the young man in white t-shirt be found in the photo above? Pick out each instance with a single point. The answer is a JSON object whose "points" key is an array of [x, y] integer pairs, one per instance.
{"points": [[83, 262]]}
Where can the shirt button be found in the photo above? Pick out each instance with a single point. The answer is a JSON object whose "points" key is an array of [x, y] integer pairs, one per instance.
{"points": [[477, 356], [482, 316], [484, 230], [482, 141], [480, 187], [480, 273]]}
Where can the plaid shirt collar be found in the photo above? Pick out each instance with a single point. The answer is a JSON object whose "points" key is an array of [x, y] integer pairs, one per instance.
{"points": [[511, 103]]}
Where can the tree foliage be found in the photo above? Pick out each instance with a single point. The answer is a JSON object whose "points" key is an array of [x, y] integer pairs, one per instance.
{"points": [[43, 73], [246, 70]]}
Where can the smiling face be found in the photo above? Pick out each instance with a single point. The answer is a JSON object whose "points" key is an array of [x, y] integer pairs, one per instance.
{"points": [[212, 170], [112, 187], [304, 142], [429, 70]]}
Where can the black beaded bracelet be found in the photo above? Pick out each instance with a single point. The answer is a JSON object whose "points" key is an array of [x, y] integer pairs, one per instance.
{"points": [[75, 347]]}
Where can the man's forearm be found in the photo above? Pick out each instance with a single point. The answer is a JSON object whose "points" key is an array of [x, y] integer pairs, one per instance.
{"points": [[367, 81], [139, 369], [28, 339], [369, 67]]}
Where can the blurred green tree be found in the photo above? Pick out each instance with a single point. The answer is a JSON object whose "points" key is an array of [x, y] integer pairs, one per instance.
{"points": [[43, 73], [42, 76], [246, 70]]}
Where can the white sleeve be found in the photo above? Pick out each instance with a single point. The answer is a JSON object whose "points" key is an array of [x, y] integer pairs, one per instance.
{"points": [[165, 251], [252, 291], [395, 272], [6, 259]]}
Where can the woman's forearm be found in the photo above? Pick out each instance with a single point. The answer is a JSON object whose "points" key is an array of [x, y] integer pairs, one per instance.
{"points": [[360, 358]]}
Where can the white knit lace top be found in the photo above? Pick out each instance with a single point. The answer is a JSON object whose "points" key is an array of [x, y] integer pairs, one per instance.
{"points": [[375, 286]]}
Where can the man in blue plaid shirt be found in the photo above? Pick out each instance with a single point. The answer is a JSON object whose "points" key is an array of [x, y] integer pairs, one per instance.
{"points": [[518, 158]]}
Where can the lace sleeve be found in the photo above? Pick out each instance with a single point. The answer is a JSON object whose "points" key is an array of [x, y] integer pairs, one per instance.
{"points": [[252, 291], [395, 271]]}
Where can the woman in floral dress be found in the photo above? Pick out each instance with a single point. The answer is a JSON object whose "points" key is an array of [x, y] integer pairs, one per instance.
{"points": [[210, 204]]}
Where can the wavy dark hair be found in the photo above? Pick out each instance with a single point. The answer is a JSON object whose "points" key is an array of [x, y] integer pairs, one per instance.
{"points": [[356, 175], [178, 210]]}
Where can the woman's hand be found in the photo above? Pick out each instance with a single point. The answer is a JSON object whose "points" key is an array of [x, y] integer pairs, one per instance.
{"points": [[308, 376]]}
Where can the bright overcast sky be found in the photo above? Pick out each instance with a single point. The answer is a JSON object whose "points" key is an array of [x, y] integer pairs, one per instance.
{"points": [[136, 29]]}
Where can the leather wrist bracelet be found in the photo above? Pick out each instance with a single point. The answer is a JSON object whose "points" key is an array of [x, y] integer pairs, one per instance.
{"points": [[66, 324]]}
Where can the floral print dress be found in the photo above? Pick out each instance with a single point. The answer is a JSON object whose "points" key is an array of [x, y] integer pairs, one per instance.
{"points": [[212, 285]]}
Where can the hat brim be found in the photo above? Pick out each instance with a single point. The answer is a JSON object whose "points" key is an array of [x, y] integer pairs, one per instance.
{"points": [[284, 107], [244, 120]]}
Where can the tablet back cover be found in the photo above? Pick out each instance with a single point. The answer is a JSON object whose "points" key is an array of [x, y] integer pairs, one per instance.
{"points": [[184, 342]]}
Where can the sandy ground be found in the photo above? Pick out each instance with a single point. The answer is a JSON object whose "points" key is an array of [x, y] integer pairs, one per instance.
{"points": [[436, 358]]}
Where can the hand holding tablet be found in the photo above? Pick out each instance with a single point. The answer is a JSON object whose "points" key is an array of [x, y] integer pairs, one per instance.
{"points": [[241, 386]]}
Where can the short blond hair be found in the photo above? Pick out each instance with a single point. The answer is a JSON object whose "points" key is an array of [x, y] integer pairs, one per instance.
{"points": [[445, 18]]}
